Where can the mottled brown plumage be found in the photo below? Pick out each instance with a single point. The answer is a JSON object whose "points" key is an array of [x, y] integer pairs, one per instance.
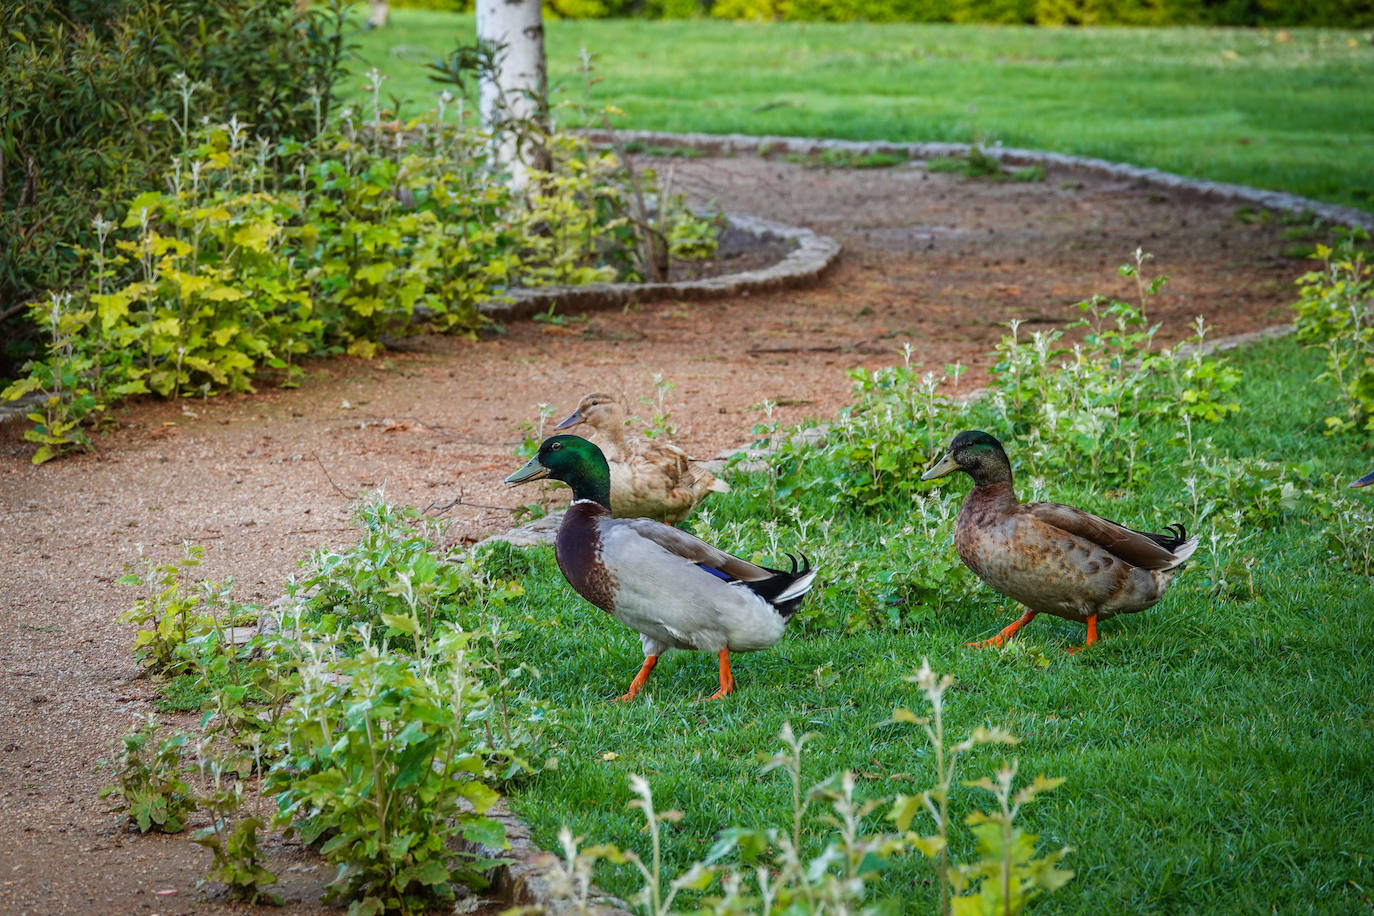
{"points": [[650, 478], [1054, 559]]}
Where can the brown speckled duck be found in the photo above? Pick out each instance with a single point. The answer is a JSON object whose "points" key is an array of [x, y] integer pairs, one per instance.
{"points": [[649, 478], [676, 590], [1051, 558]]}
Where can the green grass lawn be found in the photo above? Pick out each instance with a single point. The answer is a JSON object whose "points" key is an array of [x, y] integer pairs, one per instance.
{"points": [[1225, 104], [1217, 749]]}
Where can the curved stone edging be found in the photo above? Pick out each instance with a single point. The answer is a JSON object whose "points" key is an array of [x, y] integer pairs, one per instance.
{"points": [[736, 143], [813, 256]]}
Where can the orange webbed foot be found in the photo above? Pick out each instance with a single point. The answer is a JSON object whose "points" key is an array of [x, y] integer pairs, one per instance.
{"points": [[1007, 632]]}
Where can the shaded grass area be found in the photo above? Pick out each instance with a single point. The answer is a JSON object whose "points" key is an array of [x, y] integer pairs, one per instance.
{"points": [[1243, 106], [1217, 748]]}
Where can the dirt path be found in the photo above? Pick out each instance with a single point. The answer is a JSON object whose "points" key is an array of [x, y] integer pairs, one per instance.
{"points": [[260, 480]]}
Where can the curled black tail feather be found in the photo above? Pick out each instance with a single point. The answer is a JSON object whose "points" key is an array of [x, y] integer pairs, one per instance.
{"points": [[1173, 539], [777, 584]]}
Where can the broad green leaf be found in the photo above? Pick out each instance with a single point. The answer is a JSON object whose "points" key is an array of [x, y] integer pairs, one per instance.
{"points": [[403, 622], [487, 831], [256, 235], [373, 273], [223, 294]]}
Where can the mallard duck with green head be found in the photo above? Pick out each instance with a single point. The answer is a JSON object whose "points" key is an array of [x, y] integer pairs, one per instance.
{"points": [[675, 590], [1364, 481], [1053, 559]]}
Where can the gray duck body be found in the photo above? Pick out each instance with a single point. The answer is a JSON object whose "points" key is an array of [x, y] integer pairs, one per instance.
{"points": [[647, 576]]}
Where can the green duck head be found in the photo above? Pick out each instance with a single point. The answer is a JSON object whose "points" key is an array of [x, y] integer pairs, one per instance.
{"points": [[573, 460], [978, 455]]}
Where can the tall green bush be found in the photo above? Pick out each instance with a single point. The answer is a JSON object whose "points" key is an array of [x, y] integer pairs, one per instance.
{"points": [[89, 110]]}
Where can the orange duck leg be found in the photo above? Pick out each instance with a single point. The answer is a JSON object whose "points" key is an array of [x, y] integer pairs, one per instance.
{"points": [[727, 680], [638, 683], [1092, 636], [1007, 632]]}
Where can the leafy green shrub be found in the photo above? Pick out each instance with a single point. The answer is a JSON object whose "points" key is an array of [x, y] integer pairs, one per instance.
{"points": [[1348, 526], [168, 615], [236, 861], [394, 581], [378, 722], [1336, 313], [261, 252], [90, 104], [149, 786], [382, 770], [1081, 407]]}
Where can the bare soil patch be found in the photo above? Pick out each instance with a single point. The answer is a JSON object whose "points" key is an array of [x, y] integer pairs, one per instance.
{"points": [[932, 259]]}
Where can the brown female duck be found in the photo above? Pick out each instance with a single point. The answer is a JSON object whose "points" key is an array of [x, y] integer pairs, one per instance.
{"points": [[649, 478], [1051, 558]]}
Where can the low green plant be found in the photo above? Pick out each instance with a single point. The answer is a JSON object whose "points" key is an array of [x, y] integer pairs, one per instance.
{"points": [[380, 705], [232, 839], [772, 870], [944, 164], [1007, 875], [244, 687], [978, 163], [63, 381], [1027, 173], [660, 423], [1348, 526], [169, 614], [834, 158], [394, 579], [1335, 312], [1084, 405], [149, 770], [382, 771]]}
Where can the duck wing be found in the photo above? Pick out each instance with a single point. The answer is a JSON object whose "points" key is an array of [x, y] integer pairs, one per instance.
{"points": [[1142, 549], [690, 547]]}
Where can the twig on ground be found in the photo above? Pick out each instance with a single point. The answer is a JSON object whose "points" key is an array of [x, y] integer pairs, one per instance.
{"points": [[459, 501], [337, 488]]}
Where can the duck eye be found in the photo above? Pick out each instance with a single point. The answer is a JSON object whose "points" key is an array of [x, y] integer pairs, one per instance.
{"points": [[556, 446]]}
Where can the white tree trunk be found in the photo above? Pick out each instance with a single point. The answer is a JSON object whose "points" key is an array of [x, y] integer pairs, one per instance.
{"points": [[513, 100]]}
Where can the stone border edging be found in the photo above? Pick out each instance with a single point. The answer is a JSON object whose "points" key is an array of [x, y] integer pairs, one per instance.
{"points": [[737, 143], [813, 256]]}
